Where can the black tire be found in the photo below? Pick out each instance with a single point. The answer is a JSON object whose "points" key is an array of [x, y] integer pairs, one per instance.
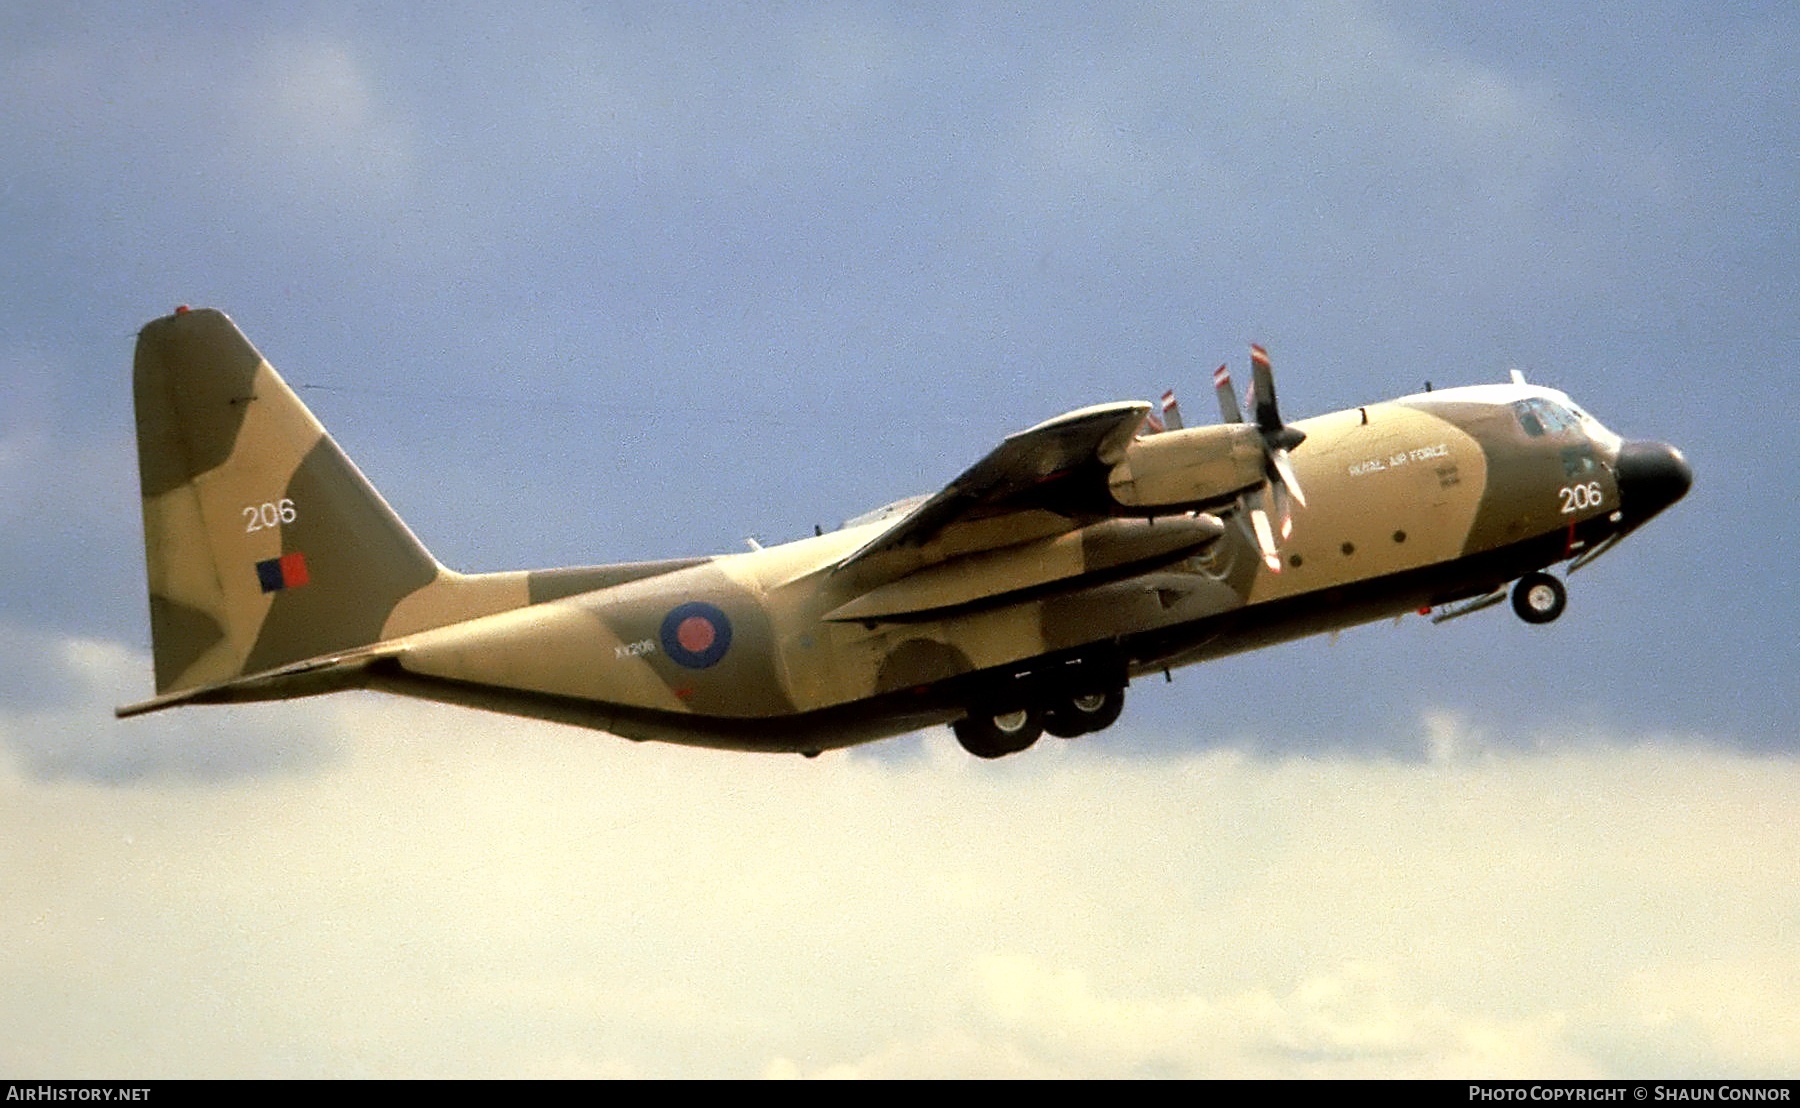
{"points": [[989, 734], [1085, 713], [1539, 598]]}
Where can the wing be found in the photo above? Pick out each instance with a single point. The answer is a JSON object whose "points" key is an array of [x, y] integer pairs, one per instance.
{"points": [[1038, 482]]}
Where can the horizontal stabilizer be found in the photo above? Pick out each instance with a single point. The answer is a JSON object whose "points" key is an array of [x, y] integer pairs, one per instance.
{"points": [[331, 673]]}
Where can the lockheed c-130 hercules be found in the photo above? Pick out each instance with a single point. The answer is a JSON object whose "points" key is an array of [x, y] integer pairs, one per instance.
{"points": [[1098, 546]]}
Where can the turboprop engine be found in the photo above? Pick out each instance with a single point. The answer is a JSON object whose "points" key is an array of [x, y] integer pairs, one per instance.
{"points": [[1192, 466]]}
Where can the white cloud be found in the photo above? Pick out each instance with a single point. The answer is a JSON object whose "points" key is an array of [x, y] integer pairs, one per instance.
{"points": [[307, 117], [459, 894], [59, 692]]}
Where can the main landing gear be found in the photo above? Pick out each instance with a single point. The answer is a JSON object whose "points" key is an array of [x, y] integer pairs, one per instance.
{"points": [[1539, 598], [989, 733]]}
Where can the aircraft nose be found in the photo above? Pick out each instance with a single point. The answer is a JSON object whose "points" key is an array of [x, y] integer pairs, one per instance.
{"points": [[1652, 476]]}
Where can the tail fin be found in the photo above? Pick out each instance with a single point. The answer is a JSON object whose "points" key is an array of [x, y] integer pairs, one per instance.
{"points": [[265, 545]]}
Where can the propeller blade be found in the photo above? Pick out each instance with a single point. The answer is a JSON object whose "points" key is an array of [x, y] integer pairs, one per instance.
{"points": [[1284, 469], [1262, 385], [1229, 412], [1284, 511], [1265, 539], [1261, 399], [1171, 411]]}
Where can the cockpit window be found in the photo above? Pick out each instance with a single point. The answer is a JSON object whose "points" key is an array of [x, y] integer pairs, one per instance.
{"points": [[1579, 462], [1556, 417], [1544, 417]]}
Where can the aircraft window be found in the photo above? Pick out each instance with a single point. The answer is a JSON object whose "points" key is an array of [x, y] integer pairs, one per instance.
{"points": [[1578, 462], [1555, 417], [1542, 417]]}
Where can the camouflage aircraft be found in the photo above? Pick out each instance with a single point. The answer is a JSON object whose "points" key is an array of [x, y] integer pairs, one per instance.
{"points": [[1103, 545]]}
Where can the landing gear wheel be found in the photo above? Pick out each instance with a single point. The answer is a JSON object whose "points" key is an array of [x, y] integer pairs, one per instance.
{"points": [[1539, 598], [989, 734], [1084, 714]]}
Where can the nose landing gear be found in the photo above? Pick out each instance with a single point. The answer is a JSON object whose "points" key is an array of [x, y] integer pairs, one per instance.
{"points": [[1539, 598]]}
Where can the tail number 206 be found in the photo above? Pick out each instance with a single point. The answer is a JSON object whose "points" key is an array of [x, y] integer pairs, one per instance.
{"points": [[261, 517]]}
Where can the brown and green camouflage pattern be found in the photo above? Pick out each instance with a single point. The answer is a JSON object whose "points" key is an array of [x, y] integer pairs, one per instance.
{"points": [[1075, 551]]}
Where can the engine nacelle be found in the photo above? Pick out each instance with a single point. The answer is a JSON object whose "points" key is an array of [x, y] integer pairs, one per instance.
{"points": [[1190, 466]]}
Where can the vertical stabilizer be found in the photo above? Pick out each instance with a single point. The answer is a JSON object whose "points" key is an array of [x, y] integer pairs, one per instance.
{"points": [[265, 545]]}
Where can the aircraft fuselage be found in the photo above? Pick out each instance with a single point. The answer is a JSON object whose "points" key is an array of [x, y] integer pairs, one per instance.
{"points": [[1413, 504]]}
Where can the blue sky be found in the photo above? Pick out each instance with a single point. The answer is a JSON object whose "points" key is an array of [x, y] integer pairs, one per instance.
{"points": [[592, 283]]}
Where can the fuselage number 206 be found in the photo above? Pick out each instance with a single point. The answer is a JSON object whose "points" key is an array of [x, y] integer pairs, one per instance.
{"points": [[1579, 498]]}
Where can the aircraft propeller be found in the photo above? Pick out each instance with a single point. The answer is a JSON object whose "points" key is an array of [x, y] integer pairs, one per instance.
{"points": [[1282, 484]]}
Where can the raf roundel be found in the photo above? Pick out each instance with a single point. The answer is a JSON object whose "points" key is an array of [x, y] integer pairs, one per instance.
{"points": [[696, 635]]}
